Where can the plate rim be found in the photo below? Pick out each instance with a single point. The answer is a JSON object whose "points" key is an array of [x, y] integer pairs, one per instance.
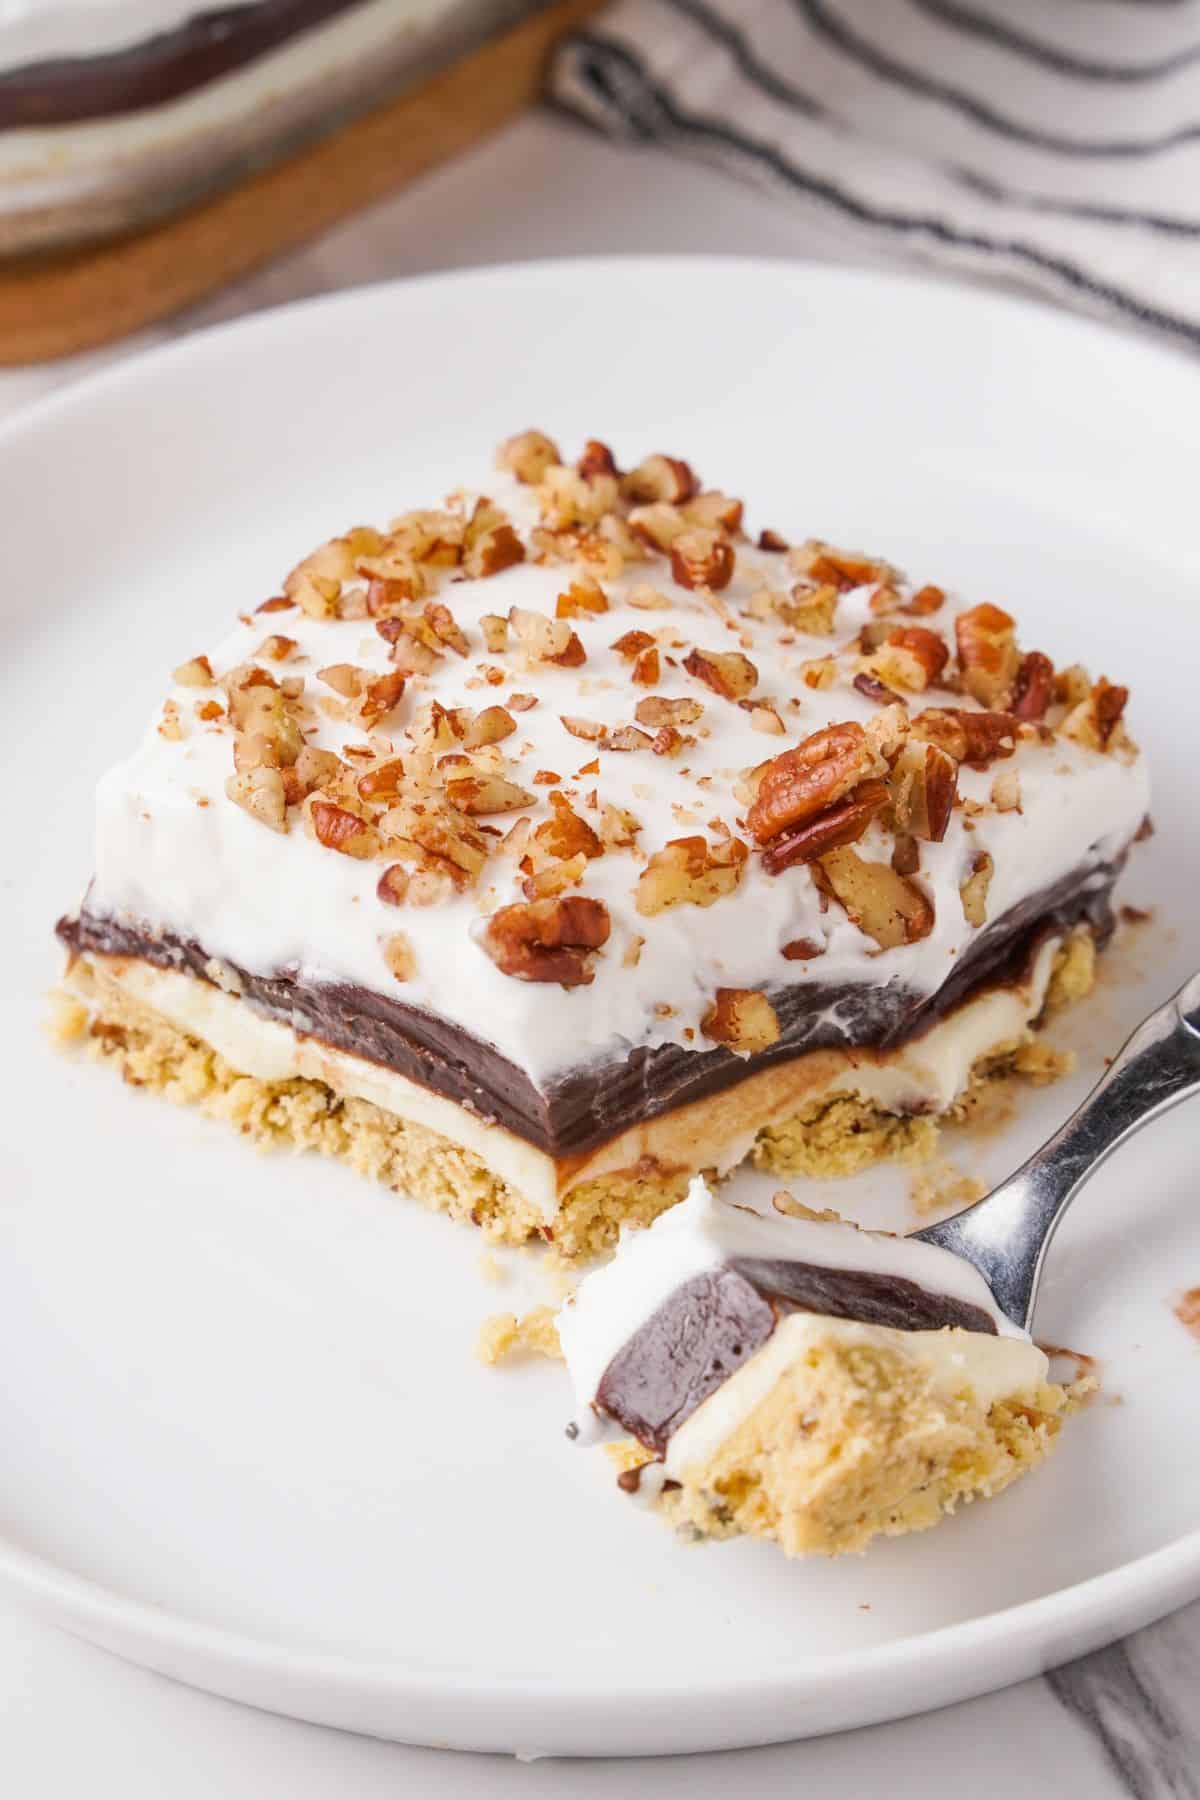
{"points": [[939, 1665]]}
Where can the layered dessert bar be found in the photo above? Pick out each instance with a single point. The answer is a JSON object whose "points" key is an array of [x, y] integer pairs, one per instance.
{"points": [[113, 112], [536, 852], [795, 1378]]}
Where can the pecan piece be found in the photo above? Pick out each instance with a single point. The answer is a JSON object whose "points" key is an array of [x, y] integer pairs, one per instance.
{"points": [[548, 940], [976, 738], [726, 672], [528, 456], [886, 906], [923, 785], [339, 829], [656, 710], [974, 890], [260, 792], [987, 652], [702, 558], [842, 824], [582, 599], [812, 776], [1096, 721], [1033, 688], [565, 834], [742, 1019], [196, 672], [475, 794], [399, 956], [659, 478], [689, 870], [597, 459]]}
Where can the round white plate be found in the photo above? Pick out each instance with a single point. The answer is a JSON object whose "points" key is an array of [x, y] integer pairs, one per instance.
{"points": [[245, 1437]]}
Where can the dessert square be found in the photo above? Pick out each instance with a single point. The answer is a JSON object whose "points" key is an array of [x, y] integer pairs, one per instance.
{"points": [[798, 1379], [539, 851]]}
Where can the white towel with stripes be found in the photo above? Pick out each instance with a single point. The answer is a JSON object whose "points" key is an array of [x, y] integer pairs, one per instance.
{"points": [[1056, 142]]}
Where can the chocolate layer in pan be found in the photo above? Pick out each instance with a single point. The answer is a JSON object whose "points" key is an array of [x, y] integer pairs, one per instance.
{"points": [[710, 1326], [65, 90], [595, 1102]]}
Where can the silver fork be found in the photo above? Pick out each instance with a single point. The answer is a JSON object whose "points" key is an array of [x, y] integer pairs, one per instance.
{"points": [[1006, 1234]]}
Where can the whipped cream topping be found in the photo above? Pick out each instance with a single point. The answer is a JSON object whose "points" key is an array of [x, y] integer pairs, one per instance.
{"points": [[174, 854], [702, 1234]]}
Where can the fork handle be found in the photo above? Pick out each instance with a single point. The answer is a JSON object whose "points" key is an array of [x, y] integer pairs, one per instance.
{"points": [[1007, 1234]]}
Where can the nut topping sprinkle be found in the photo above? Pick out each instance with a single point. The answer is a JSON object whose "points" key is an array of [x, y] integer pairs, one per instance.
{"points": [[595, 726]]}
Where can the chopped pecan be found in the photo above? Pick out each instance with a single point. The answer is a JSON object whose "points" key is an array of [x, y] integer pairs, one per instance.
{"points": [[771, 540], [392, 885], [597, 459], [1096, 721], [315, 768], [926, 600], [491, 550], [489, 727], [277, 603], [556, 877], [812, 610], [656, 710], [802, 950], [918, 655], [647, 668], [495, 632], [1033, 688], [541, 637], [583, 598], [923, 784], [339, 829], [528, 456], [726, 672], [886, 906], [987, 653], [399, 956], [631, 644], [276, 648], [742, 1019], [766, 719], [906, 855], [842, 824], [260, 792], [702, 558], [846, 569], [590, 730], [1006, 791], [565, 833], [548, 940], [974, 890], [196, 672], [659, 478], [568, 498], [872, 688], [444, 626], [713, 511], [810, 777], [689, 870], [627, 737], [976, 738], [618, 828], [657, 526], [480, 794]]}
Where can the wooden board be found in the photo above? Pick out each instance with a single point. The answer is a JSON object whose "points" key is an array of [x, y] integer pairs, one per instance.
{"points": [[54, 306]]}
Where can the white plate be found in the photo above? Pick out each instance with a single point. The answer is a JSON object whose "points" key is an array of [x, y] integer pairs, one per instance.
{"points": [[245, 1438]]}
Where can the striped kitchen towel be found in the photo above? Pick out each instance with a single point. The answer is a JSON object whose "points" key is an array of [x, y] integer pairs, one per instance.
{"points": [[1052, 141]]}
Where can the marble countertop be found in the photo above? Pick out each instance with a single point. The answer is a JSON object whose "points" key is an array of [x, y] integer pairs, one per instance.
{"points": [[73, 1720]]}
